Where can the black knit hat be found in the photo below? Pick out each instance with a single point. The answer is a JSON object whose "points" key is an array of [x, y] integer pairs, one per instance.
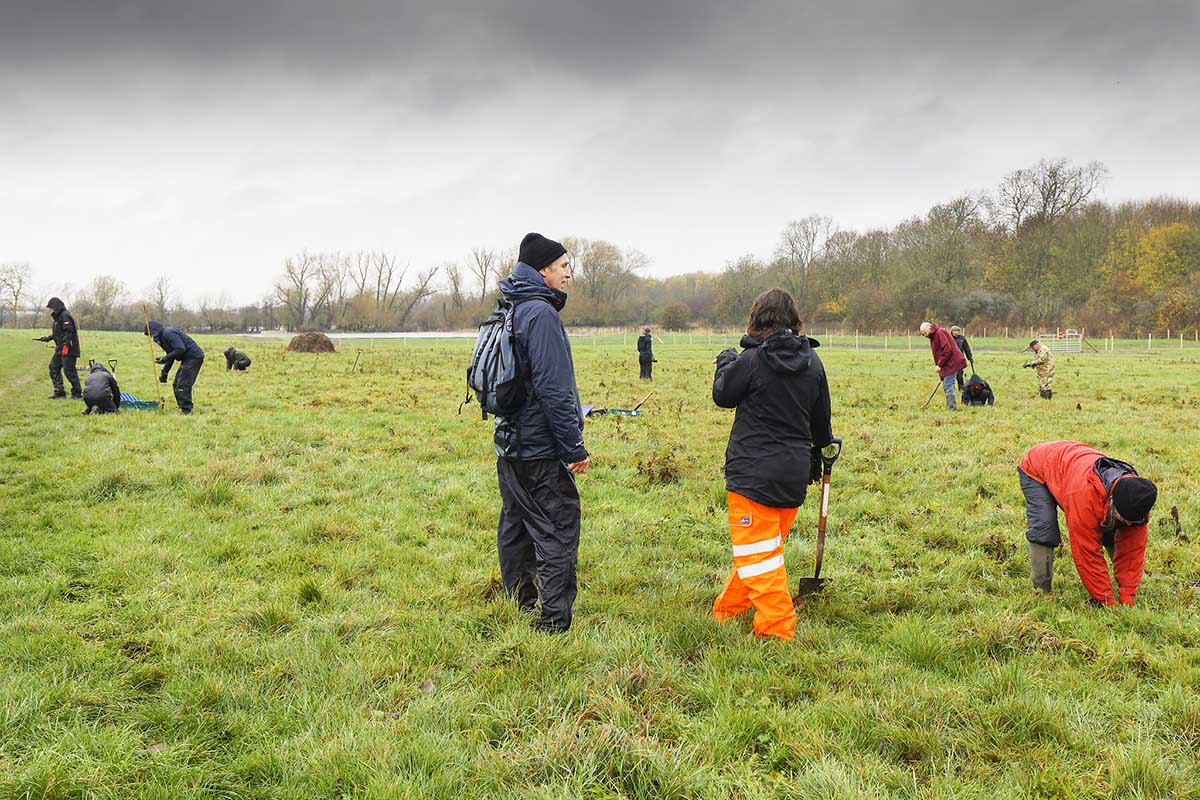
{"points": [[1032, 342], [1133, 497], [539, 252]]}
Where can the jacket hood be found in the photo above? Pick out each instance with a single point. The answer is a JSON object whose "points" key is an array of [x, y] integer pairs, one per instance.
{"points": [[526, 283], [97, 368], [975, 380], [785, 353], [56, 305], [153, 328], [1109, 469], [229, 351]]}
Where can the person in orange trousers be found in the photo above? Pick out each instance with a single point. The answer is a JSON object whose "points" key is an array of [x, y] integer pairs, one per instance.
{"points": [[778, 386]]}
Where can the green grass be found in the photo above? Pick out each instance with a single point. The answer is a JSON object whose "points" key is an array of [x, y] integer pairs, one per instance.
{"points": [[293, 593]]}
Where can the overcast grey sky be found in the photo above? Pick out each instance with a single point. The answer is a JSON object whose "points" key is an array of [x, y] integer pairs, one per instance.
{"points": [[209, 140]]}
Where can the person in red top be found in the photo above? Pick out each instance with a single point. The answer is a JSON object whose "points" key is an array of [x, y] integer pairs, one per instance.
{"points": [[947, 358], [1107, 506]]}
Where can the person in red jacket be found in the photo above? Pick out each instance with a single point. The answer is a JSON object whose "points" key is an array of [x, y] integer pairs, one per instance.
{"points": [[1107, 506], [947, 358]]}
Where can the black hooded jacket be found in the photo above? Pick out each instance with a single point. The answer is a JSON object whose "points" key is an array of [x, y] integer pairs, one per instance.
{"points": [[645, 346], [100, 384], [781, 394], [976, 392], [549, 424], [177, 344], [64, 331]]}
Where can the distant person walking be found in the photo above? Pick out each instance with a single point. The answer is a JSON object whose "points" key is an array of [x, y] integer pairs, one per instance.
{"points": [[539, 449], [101, 393], [645, 346], [1043, 362], [964, 347], [65, 335], [948, 360], [1107, 508], [778, 386], [236, 359], [182, 348]]}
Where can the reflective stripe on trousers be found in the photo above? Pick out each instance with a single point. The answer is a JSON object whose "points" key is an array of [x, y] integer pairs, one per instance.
{"points": [[758, 578]]}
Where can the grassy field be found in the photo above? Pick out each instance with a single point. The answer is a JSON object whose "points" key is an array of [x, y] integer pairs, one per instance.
{"points": [[293, 592]]}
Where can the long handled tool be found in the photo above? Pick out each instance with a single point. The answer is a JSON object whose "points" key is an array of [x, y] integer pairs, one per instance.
{"points": [[816, 583], [356, 357], [929, 399], [153, 371]]}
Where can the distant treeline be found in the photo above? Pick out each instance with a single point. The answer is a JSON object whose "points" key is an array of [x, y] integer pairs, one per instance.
{"points": [[1038, 250]]}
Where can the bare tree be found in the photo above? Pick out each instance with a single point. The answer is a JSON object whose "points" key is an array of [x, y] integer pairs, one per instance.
{"points": [[1047, 192], [293, 290], [14, 280], [424, 288], [484, 265], [455, 278], [159, 295], [800, 245], [99, 299]]}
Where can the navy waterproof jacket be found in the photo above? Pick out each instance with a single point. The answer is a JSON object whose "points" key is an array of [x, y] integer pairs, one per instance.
{"points": [[550, 422], [177, 344]]}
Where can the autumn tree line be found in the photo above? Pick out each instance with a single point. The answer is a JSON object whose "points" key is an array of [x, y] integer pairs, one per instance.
{"points": [[1040, 249]]}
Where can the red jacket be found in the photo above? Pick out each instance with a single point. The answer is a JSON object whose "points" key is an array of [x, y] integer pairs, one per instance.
{"points": [[1071, 472], [946, 355]]}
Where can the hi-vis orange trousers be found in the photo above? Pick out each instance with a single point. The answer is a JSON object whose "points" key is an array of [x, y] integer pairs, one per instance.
{"points": [[758, 578]]}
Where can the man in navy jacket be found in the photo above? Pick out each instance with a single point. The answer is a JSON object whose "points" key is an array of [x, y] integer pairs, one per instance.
{"points": [[182, 348], [539, 449]]}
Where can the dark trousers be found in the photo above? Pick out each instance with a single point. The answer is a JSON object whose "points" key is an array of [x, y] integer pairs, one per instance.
{"points": [[59, 364], [1041, 530], [185, 376], [538, 537], [242, 364], [103, 404], [959, 377], [647, 370]]}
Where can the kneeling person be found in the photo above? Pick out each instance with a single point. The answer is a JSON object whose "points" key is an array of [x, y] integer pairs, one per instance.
{"points": [[978, 393], [101, 393], [236, 359], [1107, 506]]}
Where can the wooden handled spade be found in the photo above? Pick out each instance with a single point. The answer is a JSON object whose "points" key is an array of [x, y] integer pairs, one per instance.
{"points": [[813, 585]]}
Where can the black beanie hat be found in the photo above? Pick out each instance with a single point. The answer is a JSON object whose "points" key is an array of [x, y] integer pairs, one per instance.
{"points": [[1133, 497], [539, 252], [1032, 342]]}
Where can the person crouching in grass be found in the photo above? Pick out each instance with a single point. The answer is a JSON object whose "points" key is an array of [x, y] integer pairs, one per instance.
{"points": [[778, 386]]}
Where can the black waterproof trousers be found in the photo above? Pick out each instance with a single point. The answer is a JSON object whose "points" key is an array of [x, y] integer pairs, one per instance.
{"points": [[59, 364], [538, 537], [647, 370], [100, 404], [185, 376]]}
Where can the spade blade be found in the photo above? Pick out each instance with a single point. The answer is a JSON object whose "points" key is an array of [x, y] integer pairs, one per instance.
{"points": [[810, 586]]}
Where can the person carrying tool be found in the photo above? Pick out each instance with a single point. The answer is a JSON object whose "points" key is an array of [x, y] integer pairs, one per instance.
{"points": [[182, 348], [1107, 508], [965, 348], [778, 386], [539, 448], [101, 393], [236, 359], [948, 360], [65, 335], [1043, 362], [645, 346], [978, 393]]}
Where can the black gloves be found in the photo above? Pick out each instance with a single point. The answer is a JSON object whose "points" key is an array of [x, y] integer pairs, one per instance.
{"points": [[162, 378], [814, 475], [725, 356], [1027, 366], [160, 360]]}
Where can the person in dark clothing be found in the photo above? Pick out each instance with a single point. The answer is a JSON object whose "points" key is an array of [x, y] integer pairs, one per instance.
{"points": [[779, 388], [539, 449], [965, 348], [236, 359], [978, 393], [65, 335], [101, 392], [182, 348], [645, 345]]}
